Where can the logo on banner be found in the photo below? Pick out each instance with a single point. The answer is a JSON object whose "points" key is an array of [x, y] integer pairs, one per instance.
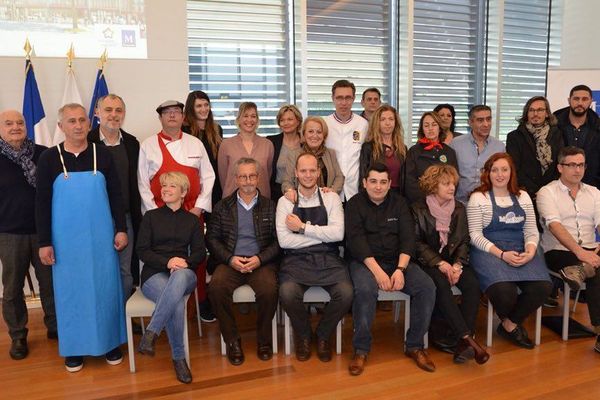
{"points": [[596, 101]]}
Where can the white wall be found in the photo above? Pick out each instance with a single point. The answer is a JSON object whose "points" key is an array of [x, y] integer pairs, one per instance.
{"points": [[579, 46], [143, 84]]}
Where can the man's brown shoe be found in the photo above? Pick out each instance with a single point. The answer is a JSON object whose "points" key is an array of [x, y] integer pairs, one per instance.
{"points": [[357, 365], [303, 349], [421, 359], [323, 350]]}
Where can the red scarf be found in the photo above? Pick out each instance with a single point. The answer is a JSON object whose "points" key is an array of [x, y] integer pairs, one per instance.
{"points": [[430, 144]]}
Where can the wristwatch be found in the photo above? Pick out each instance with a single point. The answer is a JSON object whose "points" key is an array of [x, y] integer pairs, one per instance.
{"points": [[301, 230], [401, 268]]}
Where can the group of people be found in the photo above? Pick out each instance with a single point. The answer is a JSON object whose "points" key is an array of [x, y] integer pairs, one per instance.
{"points": [[338, 202]]}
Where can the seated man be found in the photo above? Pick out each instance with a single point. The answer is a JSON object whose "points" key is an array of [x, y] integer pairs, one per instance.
{"points": [[570, 213], [242, 239], [309, 231], [380, 236]]}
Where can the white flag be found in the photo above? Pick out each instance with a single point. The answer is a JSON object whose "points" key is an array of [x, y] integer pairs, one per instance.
{"points": [[71, 95]]}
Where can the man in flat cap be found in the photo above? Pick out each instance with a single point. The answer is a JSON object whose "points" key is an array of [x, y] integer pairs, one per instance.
{"points": [[173, 150]]}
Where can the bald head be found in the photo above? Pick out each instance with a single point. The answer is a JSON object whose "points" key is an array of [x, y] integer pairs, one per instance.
{"points": [[12, 128]]}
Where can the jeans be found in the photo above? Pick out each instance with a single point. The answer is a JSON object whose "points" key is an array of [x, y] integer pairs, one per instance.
{"points": [[291, 295], [417, 285], [263, 281], [168, 291], [17, 252], [125, 260]]}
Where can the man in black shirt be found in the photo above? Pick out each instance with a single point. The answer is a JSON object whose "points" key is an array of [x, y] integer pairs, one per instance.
{"points": [[380, 236]]}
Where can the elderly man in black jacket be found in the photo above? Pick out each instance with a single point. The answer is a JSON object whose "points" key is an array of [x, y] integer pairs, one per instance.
{"points": [[380, 236], [242, 239]]}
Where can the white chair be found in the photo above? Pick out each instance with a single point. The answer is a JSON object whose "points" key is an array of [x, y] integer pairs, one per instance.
{"points": [[490, 325], [566, 299], [140, 306], [396, 297], [314, 294], [245, 294]]}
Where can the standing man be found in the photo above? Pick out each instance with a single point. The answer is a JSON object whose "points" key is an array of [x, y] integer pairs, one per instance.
{"points": [[380, 236], [570, 212], [18, 239], [472, 151], [125, 149], [347, 132], [580, 127], [309, 231], [81, 226], [241, 237], [173, 150], [371, 101]]}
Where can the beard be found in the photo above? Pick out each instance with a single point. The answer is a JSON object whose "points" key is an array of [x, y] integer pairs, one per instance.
{"points": [[577, 113]]}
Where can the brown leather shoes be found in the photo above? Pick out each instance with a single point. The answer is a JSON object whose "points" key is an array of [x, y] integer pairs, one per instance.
{"points": [[481, 356], [323, 350], [357, 365], [235, 354], [264, 352], [421, 359], [303, 349]]}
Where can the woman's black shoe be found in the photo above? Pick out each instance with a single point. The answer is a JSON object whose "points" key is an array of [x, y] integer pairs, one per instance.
{"points": [[518, 336]]}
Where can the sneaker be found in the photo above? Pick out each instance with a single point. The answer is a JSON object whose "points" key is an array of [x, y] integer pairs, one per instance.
{"points": [[114, 357], [74, 363], [597, 346], [206, 313], [574, 276]]}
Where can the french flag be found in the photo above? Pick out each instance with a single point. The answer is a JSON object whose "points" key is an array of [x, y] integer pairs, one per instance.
{"points": [[33, 110]]}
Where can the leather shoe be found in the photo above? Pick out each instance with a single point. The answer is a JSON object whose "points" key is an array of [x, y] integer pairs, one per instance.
{"points": [[323, 350], [518, 336], [422, 359], [463, 352], [235, 354], [303, 349], [481, 356], [147, 343], [18, 349], [264, 352], [182, 371], [357, 365]]}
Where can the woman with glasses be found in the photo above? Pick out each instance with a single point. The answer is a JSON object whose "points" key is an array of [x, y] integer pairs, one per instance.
{"points": [[504, 239], [246, 144]]}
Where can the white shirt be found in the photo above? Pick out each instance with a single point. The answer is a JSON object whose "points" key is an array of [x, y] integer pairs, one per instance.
{"points": [[188, 151], [250, 205], [103, 138], [313, 234], [346, 139], [580, 217]]}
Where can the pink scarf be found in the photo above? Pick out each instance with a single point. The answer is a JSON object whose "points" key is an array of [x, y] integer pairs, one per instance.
{"points": [[442, 215]]}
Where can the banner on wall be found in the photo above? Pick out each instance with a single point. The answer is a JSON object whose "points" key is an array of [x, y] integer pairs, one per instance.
{"points": [[560, 82]]}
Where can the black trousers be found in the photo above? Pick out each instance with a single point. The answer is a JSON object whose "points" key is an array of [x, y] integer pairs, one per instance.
{"points": [[511, 304]]}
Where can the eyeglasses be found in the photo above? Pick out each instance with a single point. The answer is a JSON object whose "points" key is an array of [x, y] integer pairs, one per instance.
{"points": [[246, 178], [343, 98], [574, 165], [537, 110]]}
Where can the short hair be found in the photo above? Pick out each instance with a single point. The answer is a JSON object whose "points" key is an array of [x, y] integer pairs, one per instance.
{"points": [[111, 96], [305, 154], [486, 182], [434, 174], [377, 167], [580, 87], [245, 106], [70, 106], [452, 112], [178, 178], [342, 83], [245, 161], [568, 151], [320, 121], [525, 116], [371, 89], [290, 107], [477, 108], [436, 118]]}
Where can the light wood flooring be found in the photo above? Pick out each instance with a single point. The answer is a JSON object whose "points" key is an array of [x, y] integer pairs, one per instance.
{"points": [[555, 370]]}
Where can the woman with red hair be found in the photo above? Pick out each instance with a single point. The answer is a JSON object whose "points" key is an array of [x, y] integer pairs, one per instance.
{"points": [[504, 239]]}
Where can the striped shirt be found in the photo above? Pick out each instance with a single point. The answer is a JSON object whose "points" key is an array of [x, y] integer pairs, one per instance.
{"points": [[479, 215]]}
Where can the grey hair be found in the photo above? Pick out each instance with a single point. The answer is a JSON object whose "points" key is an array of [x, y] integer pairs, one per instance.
{"points": [[246, 161], [70, 106]]}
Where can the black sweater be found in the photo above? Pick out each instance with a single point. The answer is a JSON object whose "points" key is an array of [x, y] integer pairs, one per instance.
{"points": [[382, 231], [165, 234], [417, 161]]}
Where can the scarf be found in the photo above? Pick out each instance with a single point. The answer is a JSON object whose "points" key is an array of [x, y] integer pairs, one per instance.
{"points": [[22, 157], [319, 152], [543, 152], [429, 144], [442, 215]]}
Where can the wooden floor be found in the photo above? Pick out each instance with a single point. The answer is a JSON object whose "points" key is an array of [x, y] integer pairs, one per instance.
{"points": [[555, 370]]}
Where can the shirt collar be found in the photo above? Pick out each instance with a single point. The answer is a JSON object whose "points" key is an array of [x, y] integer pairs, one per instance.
{"points": [[472, 138], [312, 196], [243, 203], [335, 116], [103, 138], [565, 189]]}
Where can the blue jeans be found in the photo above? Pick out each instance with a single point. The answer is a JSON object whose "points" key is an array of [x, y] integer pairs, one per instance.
{"points": [[417, 285], [168, 291]]}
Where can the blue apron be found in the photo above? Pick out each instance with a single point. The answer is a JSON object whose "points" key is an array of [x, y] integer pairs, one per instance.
{"points": [[506, 232], [87, 283]]}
